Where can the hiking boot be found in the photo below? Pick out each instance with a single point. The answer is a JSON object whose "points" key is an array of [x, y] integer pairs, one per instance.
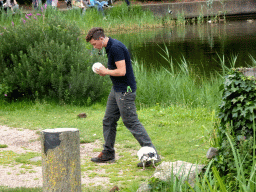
{"points": [[104, 158]]}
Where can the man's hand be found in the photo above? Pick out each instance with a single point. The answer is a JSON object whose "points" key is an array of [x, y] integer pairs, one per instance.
{"points": [[102, 71], [119, 71]]}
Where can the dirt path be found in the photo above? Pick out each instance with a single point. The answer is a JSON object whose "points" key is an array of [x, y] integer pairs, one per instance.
{"points": [[22, 141]]}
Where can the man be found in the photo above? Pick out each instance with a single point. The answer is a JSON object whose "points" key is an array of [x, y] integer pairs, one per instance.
{"points": [[121, 100]]}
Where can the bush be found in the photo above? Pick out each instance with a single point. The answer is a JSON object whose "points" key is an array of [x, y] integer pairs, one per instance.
{"points": [[237, 117], [46, 58]]}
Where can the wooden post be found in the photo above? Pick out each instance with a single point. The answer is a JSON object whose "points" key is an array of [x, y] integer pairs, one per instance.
{"points": [[61, 160]]}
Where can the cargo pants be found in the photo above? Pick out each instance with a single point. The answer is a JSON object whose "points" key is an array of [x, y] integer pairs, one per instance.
{"points": [[122, 104]]}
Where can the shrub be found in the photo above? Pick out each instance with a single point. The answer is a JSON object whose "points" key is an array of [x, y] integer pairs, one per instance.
{"points": [[46, 58], [237, 115]]}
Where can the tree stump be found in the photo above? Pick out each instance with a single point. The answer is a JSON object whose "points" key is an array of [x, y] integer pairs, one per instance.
{"points": [[61, 160]]}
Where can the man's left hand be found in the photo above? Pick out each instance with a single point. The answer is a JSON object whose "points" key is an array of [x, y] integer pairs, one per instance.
{"points": [[102, 71]]}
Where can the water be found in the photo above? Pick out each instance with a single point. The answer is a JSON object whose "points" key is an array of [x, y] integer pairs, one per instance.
{"points": [[200, 45]]}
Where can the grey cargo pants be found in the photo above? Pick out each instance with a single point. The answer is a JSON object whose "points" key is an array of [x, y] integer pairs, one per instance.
{"points": [[122, 104]]}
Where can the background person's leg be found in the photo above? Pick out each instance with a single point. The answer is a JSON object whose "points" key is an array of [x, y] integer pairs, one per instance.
{"points": [[99, 7]]}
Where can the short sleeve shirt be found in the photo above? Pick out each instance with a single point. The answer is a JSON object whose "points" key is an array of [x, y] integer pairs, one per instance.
{"points": [[117, 51]]}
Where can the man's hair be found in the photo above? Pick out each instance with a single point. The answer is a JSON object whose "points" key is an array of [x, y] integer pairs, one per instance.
{"points": [[95, 33]]}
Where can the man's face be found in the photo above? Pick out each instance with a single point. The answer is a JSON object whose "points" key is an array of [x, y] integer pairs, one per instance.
{"points": [[97, 44]]}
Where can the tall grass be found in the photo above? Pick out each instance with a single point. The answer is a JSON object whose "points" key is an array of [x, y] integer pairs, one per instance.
{"points": [[165, 87], [177, 84], [210, 180], [120, 17]]}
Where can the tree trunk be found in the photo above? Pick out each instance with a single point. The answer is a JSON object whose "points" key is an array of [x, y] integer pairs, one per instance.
{"points": [[61, 160]]}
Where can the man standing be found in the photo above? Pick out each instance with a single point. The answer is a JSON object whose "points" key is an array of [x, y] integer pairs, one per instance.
{"points": [[121, 100]]}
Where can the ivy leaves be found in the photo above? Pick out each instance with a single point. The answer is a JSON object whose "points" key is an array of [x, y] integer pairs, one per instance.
{"points": [[238, 105], [237, 116]]}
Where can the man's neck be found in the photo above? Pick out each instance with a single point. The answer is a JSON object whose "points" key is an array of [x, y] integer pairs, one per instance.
{"points": [[105, 42]]}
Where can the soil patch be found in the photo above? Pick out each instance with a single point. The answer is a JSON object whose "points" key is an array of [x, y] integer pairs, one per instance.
{"points": [[21, 141]]}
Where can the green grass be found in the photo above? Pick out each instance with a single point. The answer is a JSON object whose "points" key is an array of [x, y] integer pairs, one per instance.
{"points": [[175, 130], [20, 189], [3, 146], [175, 121], [25, 158], [119, 18], [177, 108], [211, 181]]}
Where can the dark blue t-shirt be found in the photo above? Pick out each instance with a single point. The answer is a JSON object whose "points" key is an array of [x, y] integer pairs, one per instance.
{"points": [[117, 51]]}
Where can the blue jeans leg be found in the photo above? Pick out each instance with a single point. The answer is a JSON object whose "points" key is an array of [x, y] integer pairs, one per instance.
{"points": [[49, 2]]}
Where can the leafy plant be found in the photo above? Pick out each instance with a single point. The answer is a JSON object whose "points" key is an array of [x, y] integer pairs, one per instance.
{"points": [[237, 115], [46, 58]]}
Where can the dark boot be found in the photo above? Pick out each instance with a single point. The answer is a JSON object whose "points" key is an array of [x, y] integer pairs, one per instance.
{"points": [[104, 158]]}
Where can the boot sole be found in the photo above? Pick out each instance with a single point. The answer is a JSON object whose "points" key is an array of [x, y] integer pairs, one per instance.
{"points": [[107, 161]]}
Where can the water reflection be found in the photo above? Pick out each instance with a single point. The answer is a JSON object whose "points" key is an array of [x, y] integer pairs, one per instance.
{"points": [[201, 45]]}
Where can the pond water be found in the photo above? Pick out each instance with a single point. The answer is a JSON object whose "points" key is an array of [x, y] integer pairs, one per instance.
{"points": [[200, 45]]}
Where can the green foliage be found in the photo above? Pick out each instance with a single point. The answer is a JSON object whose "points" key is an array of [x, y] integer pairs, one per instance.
{"points": [[174, 85], [173, 184], [46, 58], [239, 103], [237, 116], [3, 146]]}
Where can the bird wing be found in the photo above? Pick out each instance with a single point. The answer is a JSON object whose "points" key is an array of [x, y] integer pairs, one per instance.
{"points": [[145, 151]]}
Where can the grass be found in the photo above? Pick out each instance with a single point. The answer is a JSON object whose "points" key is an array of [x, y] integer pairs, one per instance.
{"points": [[20, 189], [179, 121], [176, 106], [155, 119], [210, 180], [3, 146], [183, 131], [119, 18]]}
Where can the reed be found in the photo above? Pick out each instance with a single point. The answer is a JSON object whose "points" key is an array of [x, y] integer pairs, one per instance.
{"points": [[179, 83]]}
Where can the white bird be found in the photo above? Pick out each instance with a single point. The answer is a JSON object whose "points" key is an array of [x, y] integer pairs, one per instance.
{"points": [[147, 154]]}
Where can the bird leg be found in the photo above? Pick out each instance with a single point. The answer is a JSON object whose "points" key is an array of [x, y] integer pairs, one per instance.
{"points": [[144, 162], [154, 164]]}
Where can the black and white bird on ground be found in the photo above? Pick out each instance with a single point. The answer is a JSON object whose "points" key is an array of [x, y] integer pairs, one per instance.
{"points": [[147, 154], [169, 11]]}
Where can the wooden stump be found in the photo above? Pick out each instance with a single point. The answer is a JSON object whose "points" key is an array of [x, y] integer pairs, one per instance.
{"points": [[61, 160]]}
